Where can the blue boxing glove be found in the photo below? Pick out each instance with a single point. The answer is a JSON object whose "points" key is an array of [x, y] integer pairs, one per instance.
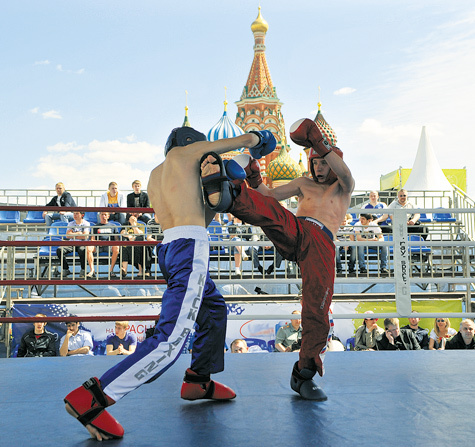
{"points": [[234, 171], [265, 146]]}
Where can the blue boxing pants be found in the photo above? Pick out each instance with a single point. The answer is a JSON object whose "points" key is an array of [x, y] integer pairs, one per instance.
{"points": [[191, 300]]}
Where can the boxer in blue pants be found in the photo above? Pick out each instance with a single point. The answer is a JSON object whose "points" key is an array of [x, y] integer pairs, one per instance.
{"points": [[191, 299]]}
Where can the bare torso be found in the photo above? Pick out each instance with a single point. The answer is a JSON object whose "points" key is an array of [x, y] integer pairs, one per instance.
{"points": [[326, 203], [175, 190]]}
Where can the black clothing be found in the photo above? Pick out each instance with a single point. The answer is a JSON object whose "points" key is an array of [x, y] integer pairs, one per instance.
{"points": [[405, 342], [457, 342], [65, 200], [422, 336], [43, 346], [138, 200]]}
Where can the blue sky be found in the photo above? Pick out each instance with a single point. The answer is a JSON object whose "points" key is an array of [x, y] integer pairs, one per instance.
{"points": [[89, 90]]}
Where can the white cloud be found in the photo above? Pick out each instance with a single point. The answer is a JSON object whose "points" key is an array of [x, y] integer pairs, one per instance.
{"points": [[45, 62], [59, 67], [344, 91], [94, 165], [35, 110], [52, 114]]}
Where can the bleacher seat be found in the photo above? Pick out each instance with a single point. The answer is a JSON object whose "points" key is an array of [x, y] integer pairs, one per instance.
{"points": [[417, 249], [91, 217], [9, 217], [350, 344], [34, 217], [424, 218], [216, 234], [55, 233], [444, 217], [256, 342]]}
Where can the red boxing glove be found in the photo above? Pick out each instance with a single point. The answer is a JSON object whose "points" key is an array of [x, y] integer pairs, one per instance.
{"points": [[306, 133], [252, 169]]}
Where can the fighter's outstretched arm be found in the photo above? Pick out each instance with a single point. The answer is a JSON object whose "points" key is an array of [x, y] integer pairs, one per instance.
{"points": [[343, 173]]}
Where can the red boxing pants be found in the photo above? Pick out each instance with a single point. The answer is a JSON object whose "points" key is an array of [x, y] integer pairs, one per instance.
{"points": [[313, 250]]}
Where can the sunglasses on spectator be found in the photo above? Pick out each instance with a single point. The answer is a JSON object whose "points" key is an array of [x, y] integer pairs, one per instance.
{"points": [[370, 319], [440, 321]]}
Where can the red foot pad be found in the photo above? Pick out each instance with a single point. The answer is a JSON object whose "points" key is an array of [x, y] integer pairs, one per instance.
{"points": [[196, 386], [88, 402]]}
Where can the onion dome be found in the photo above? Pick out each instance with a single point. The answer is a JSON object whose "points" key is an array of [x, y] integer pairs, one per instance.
{"points": [[324, 127], [283, 167], [259, 25], [186, 122], [225, 128]]}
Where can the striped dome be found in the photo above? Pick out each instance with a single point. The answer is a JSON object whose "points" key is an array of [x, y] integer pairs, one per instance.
{"points": [[225, 128], [283, 167]]}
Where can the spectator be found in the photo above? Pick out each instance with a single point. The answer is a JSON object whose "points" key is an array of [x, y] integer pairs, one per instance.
{"points": [[239, 346], [441, 332], [76, 341], [138, 199], [135, 254], [395, 339], [122, 342], [289, 337], [421, 334], [374, 203], [346, 233], [63, 198], [105, 231], [114, 199], [413, 223], [240, 232], [465, 337], [367, 230], [37, 342], [78, 229], [270, 269], [151, 330], [367, 334]]}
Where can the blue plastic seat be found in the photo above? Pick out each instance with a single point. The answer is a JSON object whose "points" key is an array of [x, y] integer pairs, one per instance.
{"points": [[7, 217], [424, 219], [416, 249], [55, 233], [350, 344], [256, 341], [91, 217], [34, 217], [216, 234], [443, 217]]}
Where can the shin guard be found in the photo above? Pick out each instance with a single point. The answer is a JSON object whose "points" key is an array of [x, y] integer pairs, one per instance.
{"points": [[89, 402]]}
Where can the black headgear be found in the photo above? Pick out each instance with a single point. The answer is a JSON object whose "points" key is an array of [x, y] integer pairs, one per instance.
{"points": [[183, 136]]}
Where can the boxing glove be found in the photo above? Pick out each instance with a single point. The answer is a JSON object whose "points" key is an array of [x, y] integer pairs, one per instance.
{"points": [[265, 146], [234, 171], [306, 133], [252, 169]]}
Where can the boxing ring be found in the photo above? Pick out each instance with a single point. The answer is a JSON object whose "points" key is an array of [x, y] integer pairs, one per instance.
{"points": [[381, 398]]}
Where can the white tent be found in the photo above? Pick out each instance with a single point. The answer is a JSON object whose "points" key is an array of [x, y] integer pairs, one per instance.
{"points": [[426, 174]]}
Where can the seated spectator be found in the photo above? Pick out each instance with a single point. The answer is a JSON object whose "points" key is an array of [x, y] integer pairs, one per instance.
{"points": [[151, 330], [278, 260], [374, 203], [289, 337], [138, 199], [335, 344], [63, 198], [105, 231], [239, 346], [138, 255], [367, 334], [367, 230], [78, 229], [441, 332], [76, 341], [413, 222], [395, 339], [421, 334], [37, 342], [346, 233], [465, 337], [114, 199], [122, 342], [239, 232]]}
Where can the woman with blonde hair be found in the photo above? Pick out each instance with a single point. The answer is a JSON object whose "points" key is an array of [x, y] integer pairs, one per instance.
{"points": [[441, 332]]}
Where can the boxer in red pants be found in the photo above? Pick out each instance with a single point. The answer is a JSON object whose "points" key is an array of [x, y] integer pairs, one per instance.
{"points": [[306, 237]]}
